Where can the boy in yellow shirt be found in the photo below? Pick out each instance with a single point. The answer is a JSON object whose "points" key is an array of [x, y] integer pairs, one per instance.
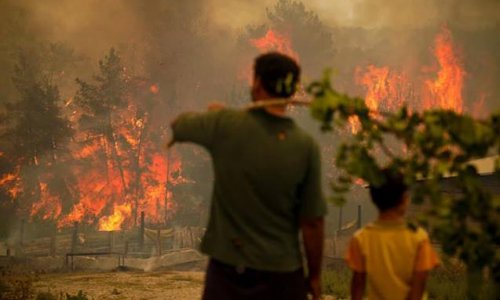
{"points": [[389, 257]]}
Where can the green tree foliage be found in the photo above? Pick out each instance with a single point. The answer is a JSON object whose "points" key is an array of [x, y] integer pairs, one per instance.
{"points": [[439, 143]]}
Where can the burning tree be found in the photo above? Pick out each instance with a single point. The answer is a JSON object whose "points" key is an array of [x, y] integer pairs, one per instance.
{"points": [[34, 135], [121, 169]]}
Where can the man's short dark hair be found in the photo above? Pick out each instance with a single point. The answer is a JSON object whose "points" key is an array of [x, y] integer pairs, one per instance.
{"points": [[391, 193], [278, 73]]}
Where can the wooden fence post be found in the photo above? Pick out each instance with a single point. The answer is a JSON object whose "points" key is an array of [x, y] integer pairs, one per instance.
{"points": [[52, 251], [158, 242], [111, 240], [141, 232], [74, 238], [359, 216]]}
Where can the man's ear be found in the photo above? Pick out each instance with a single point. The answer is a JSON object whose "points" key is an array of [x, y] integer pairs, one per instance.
{"points": [[256, 88], [257, 84]]}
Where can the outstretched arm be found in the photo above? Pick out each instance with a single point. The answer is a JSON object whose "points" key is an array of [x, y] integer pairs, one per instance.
{"points": [[198, 128], [313, 235]]}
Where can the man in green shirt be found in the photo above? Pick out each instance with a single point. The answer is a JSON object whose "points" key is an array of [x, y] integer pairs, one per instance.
{"points": [[267, 188]]}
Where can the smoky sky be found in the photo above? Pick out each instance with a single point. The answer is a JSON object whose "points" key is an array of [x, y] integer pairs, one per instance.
{"points": [[91, 23], [406, 14], [91, 27]]}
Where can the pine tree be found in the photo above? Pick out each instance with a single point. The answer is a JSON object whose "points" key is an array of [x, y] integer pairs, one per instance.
{"points": [[34, 133]]}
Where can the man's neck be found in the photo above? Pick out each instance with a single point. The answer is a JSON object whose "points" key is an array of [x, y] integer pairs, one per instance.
{"points": [[276, 110], [279, 111]]}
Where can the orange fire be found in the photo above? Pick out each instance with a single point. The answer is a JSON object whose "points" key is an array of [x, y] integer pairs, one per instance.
{"points": [[49, 206], [12, 182], [115, 221], [446, 90], [271, 41], [274, 41], [387, 90], [118, 180], [154, 89]]}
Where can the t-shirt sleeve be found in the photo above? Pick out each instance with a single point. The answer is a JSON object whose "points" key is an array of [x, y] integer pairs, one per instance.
{"points": [[311, 199], [427, 258], [354, 256], [198, 128]]}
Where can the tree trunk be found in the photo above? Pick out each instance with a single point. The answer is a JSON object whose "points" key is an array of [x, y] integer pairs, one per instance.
{"points": [[138, 172], [116, 157]]}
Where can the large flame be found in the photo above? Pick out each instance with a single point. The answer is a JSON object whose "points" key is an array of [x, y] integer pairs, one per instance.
{"points": [[446, 90], [387, 89]]}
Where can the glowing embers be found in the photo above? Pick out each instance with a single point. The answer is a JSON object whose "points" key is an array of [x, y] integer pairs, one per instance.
{"points": [[274, 41]]}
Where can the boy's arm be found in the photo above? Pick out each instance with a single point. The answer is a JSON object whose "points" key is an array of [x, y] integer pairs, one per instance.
{"points": [[425, 260], [417, 287], [358, 284], [356, 262], [313, 235]]}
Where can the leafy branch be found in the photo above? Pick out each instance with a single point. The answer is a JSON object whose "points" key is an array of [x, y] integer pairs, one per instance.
{"points": [[426, 147]]}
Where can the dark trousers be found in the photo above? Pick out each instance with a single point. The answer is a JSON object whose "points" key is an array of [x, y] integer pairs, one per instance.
{"points": [[225, 282]]}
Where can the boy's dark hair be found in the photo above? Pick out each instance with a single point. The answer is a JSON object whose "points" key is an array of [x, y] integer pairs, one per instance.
{"points": [[278, 73], [390, 193]]}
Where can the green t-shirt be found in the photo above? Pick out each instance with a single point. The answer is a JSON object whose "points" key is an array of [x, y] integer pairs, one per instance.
{"points": [[267, 177]]}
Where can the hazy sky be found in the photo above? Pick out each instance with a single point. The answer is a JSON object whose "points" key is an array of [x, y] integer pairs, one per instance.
{"points": [[370, 13], [116, 19]]}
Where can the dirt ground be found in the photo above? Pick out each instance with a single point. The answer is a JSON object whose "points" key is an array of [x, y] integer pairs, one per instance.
{"points": [[125, 285]]}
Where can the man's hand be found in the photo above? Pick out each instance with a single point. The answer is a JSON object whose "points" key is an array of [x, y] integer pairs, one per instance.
{"points": [[315, 287], [215, 106]]}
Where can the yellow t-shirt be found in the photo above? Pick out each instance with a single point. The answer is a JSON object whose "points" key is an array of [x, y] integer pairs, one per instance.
{"points": [[389, 252]]}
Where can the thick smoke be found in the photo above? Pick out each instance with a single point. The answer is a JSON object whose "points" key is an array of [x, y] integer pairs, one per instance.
{"points": [[195, 51]]}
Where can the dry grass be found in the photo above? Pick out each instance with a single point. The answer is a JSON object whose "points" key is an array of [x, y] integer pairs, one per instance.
{"points": [[125, 285]]}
